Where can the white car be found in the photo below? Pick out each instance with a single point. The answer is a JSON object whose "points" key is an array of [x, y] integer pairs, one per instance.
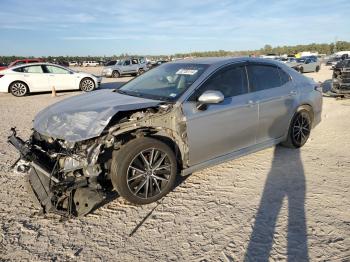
{"points": [[39, 77], [90, 63], [73, 63]]}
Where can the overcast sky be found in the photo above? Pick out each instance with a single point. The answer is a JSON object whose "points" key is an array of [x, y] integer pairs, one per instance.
{"points": [[107, 27]]}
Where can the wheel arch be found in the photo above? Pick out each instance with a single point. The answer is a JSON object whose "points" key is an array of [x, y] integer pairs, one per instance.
{"points": [[87, 77], [20, 81], [305, 106], [161, 135]]}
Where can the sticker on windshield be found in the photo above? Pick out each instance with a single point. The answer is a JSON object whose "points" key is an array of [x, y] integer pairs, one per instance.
{"points": [[190, 72]]}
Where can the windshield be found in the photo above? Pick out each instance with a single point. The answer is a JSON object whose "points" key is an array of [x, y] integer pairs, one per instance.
{"points": [[110, 63], [300, 60], [166, 82]]}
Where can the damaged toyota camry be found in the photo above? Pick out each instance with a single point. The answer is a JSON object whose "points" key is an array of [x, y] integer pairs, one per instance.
{"points": [[178, 118]]}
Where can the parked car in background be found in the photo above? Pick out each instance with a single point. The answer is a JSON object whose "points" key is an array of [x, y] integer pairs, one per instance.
{"points": [[24, 61], [3, 66], [73, 63], [175, 119], [332, 61], [90, 63], [24, 79], [305, 64], [341, 77], [129, 66], [157, 63]]}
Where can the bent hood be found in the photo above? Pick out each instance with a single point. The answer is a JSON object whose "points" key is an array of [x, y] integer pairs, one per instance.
{"points": [[85, 116]]}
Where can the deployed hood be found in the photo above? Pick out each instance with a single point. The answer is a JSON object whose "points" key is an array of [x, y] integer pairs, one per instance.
{"points": [[85, 116]]}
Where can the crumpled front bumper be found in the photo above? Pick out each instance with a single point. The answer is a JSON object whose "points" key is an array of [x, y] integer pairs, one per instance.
{"points": [[53, 195]]}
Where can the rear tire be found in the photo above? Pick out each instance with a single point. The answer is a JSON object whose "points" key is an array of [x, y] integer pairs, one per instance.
{"points": [[140, 72], [317, 69], [143, 170], [299, 130], [115, 74], [301, 70], [18, 89]]}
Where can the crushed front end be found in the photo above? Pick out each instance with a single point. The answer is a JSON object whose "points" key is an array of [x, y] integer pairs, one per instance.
{"points": [[67, 178]]}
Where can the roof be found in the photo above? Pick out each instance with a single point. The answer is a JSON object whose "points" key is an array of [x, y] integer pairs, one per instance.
{"points": [[216, 61]]}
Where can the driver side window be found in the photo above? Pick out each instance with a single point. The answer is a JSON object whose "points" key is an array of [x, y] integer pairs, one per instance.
{"points": [[127, 63], [56, 70], [230, 81]]}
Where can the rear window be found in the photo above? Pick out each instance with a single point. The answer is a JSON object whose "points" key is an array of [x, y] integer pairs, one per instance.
{"points": [[263, 77], [285, 78], [32, 69]]}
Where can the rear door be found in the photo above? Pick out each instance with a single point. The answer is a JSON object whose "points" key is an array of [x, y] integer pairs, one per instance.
{"points": [[35, 77], [225, 127], [276, 95], [61, 79], [127, 67]]}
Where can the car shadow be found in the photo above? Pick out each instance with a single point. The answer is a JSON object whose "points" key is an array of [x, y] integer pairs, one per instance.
{"points": [[285, 182]]}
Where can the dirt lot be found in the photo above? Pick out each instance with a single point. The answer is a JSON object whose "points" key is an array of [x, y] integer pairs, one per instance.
{"points": [[277, 203]]}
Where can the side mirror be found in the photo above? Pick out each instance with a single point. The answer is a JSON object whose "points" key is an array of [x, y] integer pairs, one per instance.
{"points": [[209, 97]]}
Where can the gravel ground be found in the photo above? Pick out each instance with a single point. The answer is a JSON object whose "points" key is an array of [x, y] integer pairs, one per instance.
{"points": [[278, 204]]}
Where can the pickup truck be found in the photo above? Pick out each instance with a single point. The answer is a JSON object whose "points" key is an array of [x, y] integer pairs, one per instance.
{"points": [[129, 66]]}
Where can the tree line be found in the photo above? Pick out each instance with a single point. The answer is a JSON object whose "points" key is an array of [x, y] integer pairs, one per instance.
{"points": [[267, 49]]}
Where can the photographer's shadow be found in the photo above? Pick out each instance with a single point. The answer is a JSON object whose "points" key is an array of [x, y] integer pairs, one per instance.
{"points": [[285, 181]]}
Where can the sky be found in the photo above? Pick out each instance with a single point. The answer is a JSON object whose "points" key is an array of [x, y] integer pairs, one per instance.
{"points": [[112, 27]]}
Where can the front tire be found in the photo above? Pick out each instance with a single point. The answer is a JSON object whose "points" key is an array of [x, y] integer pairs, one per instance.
{"points": [[143, 170], [299, 130], [18, 89], [87, 85], [317, 69], [301, 70], [115, 74]]}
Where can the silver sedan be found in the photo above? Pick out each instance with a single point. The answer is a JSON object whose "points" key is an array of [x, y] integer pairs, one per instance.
{"points": [[180, 117]]}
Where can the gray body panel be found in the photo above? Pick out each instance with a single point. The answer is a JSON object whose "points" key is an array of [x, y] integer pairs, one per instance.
{"points": [[220, 129], [237, 126]]}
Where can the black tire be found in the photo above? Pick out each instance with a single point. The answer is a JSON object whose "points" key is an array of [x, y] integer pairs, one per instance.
{"points": [[18, 89], [140, 72], [301, 70], [299, 130], [317, 68], [134, 74], [115, 74], [134, 181], [87, 84]]}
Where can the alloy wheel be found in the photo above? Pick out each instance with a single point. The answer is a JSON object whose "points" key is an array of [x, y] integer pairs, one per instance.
{"points": [[148, 173], [87, 85], [18, 89], [301, 128]]}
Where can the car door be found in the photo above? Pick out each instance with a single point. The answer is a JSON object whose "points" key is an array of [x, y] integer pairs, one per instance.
{"points": [[135, 65], [225, 127], [127, 67], [35, 77], [276, 95], [61, 78]]}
